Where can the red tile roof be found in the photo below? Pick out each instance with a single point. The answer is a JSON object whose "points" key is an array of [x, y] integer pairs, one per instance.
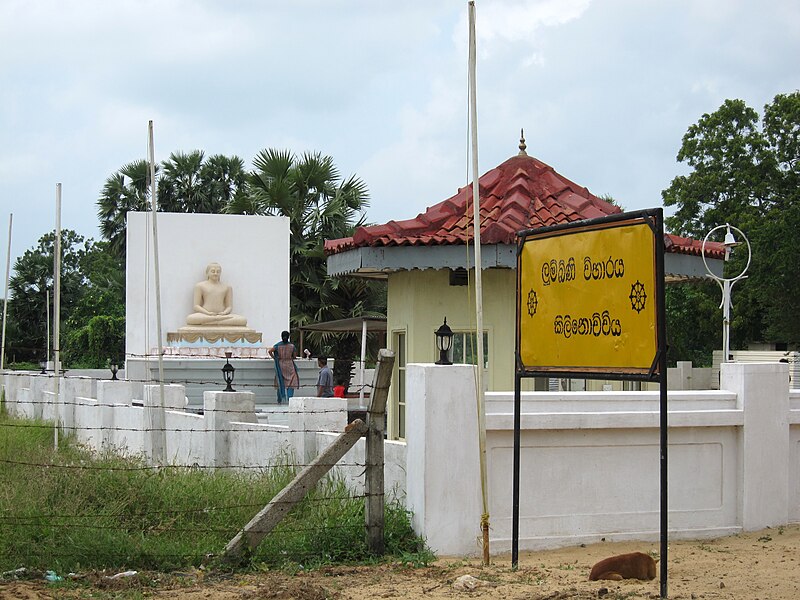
{"points": [[521, 193]]}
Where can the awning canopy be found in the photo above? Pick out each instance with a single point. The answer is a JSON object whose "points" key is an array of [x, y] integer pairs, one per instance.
{"points": [[354, 325], [360, 325]]}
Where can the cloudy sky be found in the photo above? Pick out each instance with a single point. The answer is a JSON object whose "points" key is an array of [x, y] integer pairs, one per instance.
{"points": [[604, 90]]}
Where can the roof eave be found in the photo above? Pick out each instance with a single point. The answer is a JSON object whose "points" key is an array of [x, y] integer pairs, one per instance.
{"points": [[378, 262]]}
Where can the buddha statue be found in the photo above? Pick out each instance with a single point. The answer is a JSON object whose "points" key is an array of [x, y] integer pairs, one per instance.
{"points": [[213, 301]]}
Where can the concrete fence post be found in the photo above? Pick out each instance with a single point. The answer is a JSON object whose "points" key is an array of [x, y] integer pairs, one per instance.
{"points": [[72, 389], [111, 394], [39, 385], [762, 391], [307, 417], [219, 409], [443, 486], [15, 397]]}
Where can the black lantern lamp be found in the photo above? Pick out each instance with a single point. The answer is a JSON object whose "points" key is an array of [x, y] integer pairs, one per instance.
{"points": [[114, 368], [444, 339], [227, 373], [43, 365]]}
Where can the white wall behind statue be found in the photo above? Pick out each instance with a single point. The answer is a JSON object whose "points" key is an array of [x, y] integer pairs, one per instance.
{"points": [[252, 250]]}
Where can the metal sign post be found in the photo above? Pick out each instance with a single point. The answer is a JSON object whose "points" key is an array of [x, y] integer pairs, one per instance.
{"points": [[590, 305]]}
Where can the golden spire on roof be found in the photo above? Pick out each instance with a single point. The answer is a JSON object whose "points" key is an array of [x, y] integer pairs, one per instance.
{"points": [[522, 145]]}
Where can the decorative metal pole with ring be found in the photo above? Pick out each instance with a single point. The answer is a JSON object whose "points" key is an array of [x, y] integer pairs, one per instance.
{"points": [[726, 283]]}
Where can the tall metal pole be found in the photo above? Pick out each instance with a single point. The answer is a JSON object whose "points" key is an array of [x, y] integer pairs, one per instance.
{"points": [[5, 296], [57, 313], [661, 320], [48, 339], [515, 481], [158, 420], [476, 226], [726, 321]]}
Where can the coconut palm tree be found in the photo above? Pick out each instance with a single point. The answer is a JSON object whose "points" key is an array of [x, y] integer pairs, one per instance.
{"points": [[224, 177], [126, 190], [187, 183], [180, 187], [320, 205]]}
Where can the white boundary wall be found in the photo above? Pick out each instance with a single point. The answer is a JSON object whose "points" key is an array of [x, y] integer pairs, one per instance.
{"points": [[589, 460], [253, 252]]}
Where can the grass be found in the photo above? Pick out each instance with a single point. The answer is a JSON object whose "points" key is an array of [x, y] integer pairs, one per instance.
{"points": [[73, 510]]}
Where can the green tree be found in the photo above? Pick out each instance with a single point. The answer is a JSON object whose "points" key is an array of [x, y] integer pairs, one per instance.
{"points": [[187, 183], [320, 205], [746, 172], [95, 328], [29, 288], [226, 178], [126, 190], [694, 322]]}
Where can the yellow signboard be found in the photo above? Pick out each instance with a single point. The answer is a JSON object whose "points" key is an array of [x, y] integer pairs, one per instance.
{"points": [[588, 299]]}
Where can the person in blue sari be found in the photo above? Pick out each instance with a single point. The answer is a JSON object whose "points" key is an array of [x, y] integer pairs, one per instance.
{"points": [[286, 377]]}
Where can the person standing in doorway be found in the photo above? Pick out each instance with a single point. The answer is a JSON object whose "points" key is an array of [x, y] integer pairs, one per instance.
{"points": [[325, 379], [286, 377]]}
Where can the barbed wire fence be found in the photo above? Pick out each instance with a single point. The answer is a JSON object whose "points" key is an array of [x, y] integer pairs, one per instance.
{"points": [[151, 522]]}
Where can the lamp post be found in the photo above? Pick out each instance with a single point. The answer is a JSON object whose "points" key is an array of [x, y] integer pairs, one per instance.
{"points": [[726, 283], [114, 368], [444, 339], [227, 373]]}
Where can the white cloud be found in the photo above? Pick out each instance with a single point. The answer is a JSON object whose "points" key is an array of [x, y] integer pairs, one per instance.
{"points": [[604, 90]]}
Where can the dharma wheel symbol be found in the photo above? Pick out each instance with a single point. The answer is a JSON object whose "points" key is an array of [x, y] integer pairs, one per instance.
{"points": [[533, 302], [638, 296]]}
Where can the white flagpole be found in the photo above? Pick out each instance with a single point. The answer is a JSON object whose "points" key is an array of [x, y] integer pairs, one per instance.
{"points": [[476, 225], [48, 341], [158, 420], [57, 313], [5, 296]]}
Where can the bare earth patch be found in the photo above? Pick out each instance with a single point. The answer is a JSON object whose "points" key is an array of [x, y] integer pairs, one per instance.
{"points": [[762, 565]]}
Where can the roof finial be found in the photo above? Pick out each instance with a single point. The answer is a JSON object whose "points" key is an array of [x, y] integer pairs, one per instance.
{"points": [[522, 145]]}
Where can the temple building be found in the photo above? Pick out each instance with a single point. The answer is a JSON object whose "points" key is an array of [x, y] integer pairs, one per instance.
{"points": [[427, 262]]}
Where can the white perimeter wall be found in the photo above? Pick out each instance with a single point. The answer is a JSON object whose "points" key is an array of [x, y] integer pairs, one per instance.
{"points": [[253, 252], [589, 460]]}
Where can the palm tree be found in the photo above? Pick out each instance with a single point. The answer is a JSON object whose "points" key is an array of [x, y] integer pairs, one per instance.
{"points": [[320, 205], [225, 178], [191, 184], [187, 184], [126, 190], [180, 187]]}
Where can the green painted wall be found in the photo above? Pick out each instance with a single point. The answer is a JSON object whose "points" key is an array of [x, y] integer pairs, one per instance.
{"points": [[418, 302]]}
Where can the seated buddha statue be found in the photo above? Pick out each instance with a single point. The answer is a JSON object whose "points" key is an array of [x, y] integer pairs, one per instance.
{"points": [[213, 301]]}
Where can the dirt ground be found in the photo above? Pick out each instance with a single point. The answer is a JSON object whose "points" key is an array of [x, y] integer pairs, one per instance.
{"points": [[762, 565]]}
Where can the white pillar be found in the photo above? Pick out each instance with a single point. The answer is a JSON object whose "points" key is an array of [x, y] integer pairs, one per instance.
{"points": [[219, 409], [13, 384], [307, 416], [443, 486], [110, 395], [41, 401], [762, 391], [73, 388], [683, 375]]}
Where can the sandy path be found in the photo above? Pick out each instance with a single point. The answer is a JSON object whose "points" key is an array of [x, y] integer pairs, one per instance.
{"points": [[762, 565]]}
